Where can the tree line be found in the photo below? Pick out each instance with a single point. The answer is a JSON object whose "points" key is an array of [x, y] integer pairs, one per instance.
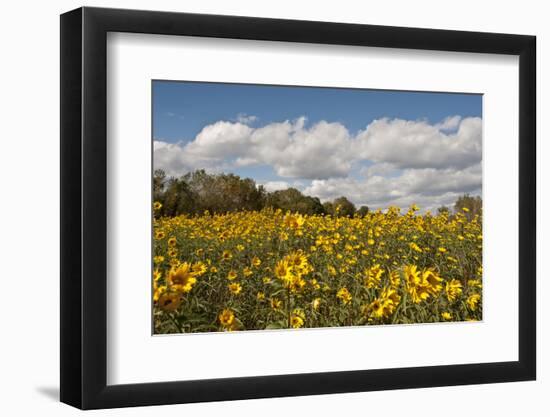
{"points": [[199, 191]]}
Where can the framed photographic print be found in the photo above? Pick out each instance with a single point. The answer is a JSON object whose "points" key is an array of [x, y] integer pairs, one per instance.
{"points": [[257, 207]]}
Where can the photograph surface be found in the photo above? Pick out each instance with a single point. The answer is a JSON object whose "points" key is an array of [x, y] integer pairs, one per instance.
{"points": [[292, 207]]}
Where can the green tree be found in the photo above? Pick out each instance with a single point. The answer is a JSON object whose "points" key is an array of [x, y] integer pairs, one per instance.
{"points": [[293, 200], [363, 211], [224, 192], [343, 207], [473, 206], [328, 207], [178, 198]]}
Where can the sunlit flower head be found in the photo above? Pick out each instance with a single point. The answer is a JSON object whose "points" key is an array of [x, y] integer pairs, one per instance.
{"points": [[473, 301], [294, 221], [373, 276], [169, 301], [453, 290], [226, 318], [283, 271], [432, 281], [235, 288], [344, 295], [297, 318], [446, 315], [276, 304], [199, 268], [182, 278], [157, 275], [316, 303]]}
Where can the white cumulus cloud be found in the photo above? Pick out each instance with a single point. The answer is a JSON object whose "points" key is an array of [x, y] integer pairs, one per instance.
{"points": [[276, 185], [417, 144], [428, 187], [399, 161], [246, 118]]}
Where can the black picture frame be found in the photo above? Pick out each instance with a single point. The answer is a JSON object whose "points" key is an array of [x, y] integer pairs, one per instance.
{"points": [[84, 207]]}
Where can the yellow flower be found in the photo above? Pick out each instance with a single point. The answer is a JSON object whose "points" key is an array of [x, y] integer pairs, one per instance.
{"points": [[391, 295], [442, 250], [235, 288], [158, 291], [298, 261], [315, 284], [385, 304], [344, 295], [474, 283], [157, 275], [256, 261], [395, 278], [157, 205], [296, 284], [260, 296], [473, 301], [415, 247], [226, 318], [283, 271], [432, 281], [231, 275], [417, 290], [226, 255], [172, 241], [169, 301], [297, 318], [159, 235], [247, 271], [294, 221], [375, 309], [453, 289], [240, 248], [446, 315], [199, 268], [158, 259], [373, 276], [182, 278], [316, 303], [370, 242], [276, 304]]}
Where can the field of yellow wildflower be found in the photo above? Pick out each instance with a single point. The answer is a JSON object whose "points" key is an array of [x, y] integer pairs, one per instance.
{"points": [[255, 270]]}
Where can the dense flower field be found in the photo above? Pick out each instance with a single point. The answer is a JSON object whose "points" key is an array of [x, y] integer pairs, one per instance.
{"points": [[273, 270]]}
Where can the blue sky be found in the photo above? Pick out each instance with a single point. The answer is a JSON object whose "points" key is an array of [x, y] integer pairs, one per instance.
{"points": [[182, 109], [323, 140]]}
